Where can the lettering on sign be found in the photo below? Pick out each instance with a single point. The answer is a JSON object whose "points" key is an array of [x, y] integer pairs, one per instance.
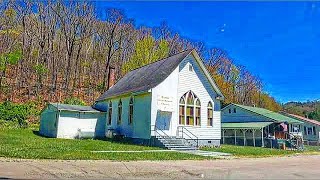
{"points": [[165, 103]]}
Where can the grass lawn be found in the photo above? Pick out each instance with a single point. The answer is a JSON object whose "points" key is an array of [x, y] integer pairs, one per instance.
{"points": [[23, 143], [312, 149], [249, 151]]}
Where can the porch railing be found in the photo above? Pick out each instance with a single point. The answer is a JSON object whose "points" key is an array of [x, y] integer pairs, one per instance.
{"points": [[190, 136], [159, 132]]}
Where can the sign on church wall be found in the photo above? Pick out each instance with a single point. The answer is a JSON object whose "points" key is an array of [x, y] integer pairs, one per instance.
{"points": [[165, 103]]}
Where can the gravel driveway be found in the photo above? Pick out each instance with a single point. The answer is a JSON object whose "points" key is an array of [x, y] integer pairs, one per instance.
{"points": [[295, 167]]}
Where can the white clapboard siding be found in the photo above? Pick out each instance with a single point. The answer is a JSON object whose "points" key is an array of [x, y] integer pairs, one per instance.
{"points": [[197, 82]]}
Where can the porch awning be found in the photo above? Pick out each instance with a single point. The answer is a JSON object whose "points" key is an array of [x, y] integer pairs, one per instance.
{"points": [[248, 125]]}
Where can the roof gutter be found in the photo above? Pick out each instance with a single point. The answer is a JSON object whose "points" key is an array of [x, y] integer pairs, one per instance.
{"points": [[127, 94]]}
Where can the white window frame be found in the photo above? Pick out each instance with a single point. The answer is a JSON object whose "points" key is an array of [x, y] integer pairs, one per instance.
{"points": [[195, 99]]}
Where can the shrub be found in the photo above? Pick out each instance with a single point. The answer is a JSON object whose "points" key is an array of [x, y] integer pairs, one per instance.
{"points": [[8, 125], [16, 115]]}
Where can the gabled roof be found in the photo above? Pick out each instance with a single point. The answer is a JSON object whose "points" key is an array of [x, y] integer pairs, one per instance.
{"points": [[68, 107], [149, 76], [267, 113], [312, 121]]}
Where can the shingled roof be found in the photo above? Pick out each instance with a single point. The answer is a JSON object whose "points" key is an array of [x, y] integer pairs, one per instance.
{"points": [[146, 77]]}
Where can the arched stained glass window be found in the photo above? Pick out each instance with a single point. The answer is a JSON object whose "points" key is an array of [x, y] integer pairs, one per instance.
{"points": [[198, 112], [189, 110], [119, 112], [190, 98], [110, 113], [210, 114], [182, 111]]}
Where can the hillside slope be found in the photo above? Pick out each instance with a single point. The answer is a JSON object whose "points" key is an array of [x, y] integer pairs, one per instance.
{"points": [[310, 109]]}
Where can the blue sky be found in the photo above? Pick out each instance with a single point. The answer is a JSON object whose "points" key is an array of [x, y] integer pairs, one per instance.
{"points": [[277, 41]]}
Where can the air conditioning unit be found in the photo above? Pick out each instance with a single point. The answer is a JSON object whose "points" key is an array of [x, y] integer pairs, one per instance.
{"points": [[110, 133]]}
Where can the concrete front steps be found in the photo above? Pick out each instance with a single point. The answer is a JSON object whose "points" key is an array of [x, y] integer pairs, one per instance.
{"points": [[177, 144], [182, 145]]}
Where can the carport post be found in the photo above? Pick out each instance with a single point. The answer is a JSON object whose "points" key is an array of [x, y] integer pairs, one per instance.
{"points": [[235, 137], [244, 137], [262, 143], [254, 139], [222, 136]]}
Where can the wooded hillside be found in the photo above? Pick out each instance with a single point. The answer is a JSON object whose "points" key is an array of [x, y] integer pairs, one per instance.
{"points": [[54, 50], [310, 109]]}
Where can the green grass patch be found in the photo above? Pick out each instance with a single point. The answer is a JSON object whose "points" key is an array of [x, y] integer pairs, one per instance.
{"points": [[312, 149], [24, 143], [249, 151]]}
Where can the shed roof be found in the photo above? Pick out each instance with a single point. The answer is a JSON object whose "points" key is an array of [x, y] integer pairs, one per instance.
{"points": [[312, 121], [250, 125], [149, 76], [68, 107], [268, 114]]}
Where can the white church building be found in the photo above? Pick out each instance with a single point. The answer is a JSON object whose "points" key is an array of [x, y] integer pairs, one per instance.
{"points": [[173, 98]]}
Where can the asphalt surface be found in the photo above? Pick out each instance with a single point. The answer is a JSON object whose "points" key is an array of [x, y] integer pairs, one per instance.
{"points": [[295, 167]]}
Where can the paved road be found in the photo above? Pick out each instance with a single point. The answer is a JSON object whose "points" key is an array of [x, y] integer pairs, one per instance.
{"points": [[297, 167]]}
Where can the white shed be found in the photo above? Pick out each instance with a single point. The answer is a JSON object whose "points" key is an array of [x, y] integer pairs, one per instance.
{"points": [[72, 121]]}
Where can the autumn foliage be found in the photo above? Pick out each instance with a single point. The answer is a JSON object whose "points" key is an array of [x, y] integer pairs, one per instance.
{"points": [[51, 51]]}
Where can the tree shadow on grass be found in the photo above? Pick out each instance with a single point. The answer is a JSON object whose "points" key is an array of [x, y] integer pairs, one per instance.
{"points": [[125, 141], [120, 140], [37, 133], [116, 139]]}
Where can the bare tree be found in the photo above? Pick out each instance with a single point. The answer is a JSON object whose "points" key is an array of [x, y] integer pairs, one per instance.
{"points": [[75, 21], [68, 51], [111, 33]]}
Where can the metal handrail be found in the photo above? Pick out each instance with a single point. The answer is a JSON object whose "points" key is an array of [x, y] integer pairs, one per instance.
{"points": [[196, 140], [155, 129]]}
